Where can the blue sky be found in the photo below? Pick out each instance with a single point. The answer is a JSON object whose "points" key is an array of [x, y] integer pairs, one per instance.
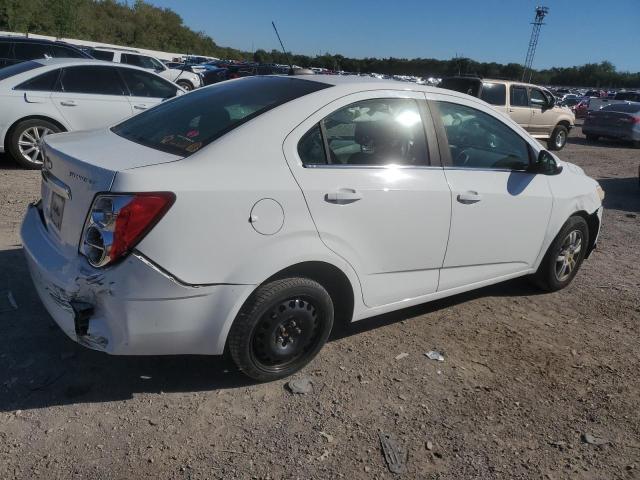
{"points": [[576, 31]]}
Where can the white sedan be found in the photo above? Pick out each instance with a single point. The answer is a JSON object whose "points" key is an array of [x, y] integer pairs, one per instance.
{"points": [[46, 96], [254, 214]]}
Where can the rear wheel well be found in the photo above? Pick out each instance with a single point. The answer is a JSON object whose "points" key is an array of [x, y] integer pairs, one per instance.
{"points": [[332, 279], [593, 222], [10, 130]]}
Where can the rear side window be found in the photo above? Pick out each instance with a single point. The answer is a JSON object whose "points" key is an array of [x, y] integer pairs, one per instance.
{"points": [[102, 55], [144, 84], [622, 108], [42, 83], [519, 97], [188, 123], [92, 79], [494, 93], [32, 51], [141, 61], [376, 132], [311, 148], [18, 68]]}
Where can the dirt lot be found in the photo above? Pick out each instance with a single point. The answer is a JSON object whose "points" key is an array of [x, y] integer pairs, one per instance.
{"points": [[525, 377]]}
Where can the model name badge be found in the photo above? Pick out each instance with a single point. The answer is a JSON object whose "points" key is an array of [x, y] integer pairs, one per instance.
{"points": [[82, 178]]}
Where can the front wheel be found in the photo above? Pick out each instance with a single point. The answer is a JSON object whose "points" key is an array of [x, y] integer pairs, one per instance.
{"points": [[25, 142], [558, 138], [281, 328], [564, 256], [185, 85]]}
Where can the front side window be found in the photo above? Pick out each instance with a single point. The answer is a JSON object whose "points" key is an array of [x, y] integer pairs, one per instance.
{"points": [[479, 140], [538, 99], [376, 132], [92, 79], [59, 51], [519, 97], [186, 124], [494, 93], [144, 84], [142, 61], [42, 83]]}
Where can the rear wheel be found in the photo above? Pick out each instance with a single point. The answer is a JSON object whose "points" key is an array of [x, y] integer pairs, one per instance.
{"points": [[25, 142], [558, 138], [281, 328], [592, 138], [564, 256]]}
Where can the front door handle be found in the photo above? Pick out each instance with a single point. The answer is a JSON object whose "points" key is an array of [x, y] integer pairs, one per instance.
{"points": [[140, 107], [343, 196], [467, 198], [68, 103]]}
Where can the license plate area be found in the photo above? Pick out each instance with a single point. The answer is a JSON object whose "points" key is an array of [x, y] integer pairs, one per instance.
{"points": [[56, 209]]}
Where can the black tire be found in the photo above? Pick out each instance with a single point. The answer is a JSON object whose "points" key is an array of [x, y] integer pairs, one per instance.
{"points": [[558, 138], [185, 84], [547, 276], [21, 129], [281, 328], [591, 138]]}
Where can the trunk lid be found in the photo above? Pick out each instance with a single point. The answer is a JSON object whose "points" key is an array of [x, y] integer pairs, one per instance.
{"points": [[77, 166]]}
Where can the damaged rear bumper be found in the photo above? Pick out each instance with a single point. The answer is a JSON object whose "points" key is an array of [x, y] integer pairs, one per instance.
{"points": [[131, 308]]}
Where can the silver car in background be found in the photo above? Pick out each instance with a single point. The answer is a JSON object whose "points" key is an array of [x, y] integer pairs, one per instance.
{"points": [[618, 121]]}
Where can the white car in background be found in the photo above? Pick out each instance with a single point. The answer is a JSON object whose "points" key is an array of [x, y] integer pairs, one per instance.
{"points": [[186, 79], [47, 96], [253, 214]]}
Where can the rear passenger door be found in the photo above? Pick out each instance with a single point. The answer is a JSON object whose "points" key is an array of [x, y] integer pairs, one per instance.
{"points": [[91, 96], [519, 108], [369, 170], [146, 89]]}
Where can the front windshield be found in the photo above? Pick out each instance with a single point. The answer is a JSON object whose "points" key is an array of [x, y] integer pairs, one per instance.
{"points": [[18, 68]]}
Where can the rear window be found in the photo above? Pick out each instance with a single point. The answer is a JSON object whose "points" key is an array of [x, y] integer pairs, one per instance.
{"points": [[185, 125], [494, 93], [622, 108], [102, 55], [632, 96], [18, 68]]}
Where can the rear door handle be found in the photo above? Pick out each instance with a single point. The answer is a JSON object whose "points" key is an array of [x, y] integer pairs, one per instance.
{"points": [[467, 198], [343, 196], [68, 103]]}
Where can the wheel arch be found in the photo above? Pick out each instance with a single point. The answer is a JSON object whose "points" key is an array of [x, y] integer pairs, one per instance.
{"points": [[593, 223]]}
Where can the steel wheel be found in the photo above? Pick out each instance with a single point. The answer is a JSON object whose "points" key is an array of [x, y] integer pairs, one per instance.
{"points": [[286, 333], [568, 255], [29, 143]]}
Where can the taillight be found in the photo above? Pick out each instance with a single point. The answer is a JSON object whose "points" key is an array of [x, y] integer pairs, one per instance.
{"points": [[635, 119], [117, 222]]}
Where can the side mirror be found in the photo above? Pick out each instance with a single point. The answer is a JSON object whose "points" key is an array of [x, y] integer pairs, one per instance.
{"points": [[545, 164]]}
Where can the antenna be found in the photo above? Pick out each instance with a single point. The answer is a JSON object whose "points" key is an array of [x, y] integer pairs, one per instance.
{"points": [[283, 50], [537, 23]]}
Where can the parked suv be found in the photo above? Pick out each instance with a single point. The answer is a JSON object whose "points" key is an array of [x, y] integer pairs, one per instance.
{"points": [[532, 107], [187, 80], [19, 49]]}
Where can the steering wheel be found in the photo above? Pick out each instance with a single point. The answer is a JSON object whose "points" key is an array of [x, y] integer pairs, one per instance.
{"points": [[462, 159]]}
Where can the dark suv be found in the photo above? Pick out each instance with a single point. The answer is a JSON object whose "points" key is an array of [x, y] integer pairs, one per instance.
{"points": [[19, 49]]}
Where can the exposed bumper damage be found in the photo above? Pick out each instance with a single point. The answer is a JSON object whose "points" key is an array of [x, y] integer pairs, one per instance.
{"points": [[131, 308]]}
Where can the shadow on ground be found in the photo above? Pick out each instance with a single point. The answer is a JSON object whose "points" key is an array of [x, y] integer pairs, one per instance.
{"points": [[42, 367], [621, 194]]}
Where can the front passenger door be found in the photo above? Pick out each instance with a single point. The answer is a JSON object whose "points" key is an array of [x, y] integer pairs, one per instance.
{"points": [[91, 96], [500, 210], [519, 108]]}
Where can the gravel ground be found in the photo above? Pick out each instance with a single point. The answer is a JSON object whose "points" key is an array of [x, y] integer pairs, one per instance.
{"points": [[526, 377]]}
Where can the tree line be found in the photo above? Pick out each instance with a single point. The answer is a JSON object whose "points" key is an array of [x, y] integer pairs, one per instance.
{"points": [[140, 24]]}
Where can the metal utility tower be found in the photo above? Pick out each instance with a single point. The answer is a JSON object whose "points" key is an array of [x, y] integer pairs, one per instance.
{"points": [[537, 23]]}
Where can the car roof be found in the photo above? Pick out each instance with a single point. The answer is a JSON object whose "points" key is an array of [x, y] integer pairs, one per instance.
{"points": [[64, 62], [10, 38]]}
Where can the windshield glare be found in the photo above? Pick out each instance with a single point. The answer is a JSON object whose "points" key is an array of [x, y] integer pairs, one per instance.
{"points": [[188, 123], [18, 68]]}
